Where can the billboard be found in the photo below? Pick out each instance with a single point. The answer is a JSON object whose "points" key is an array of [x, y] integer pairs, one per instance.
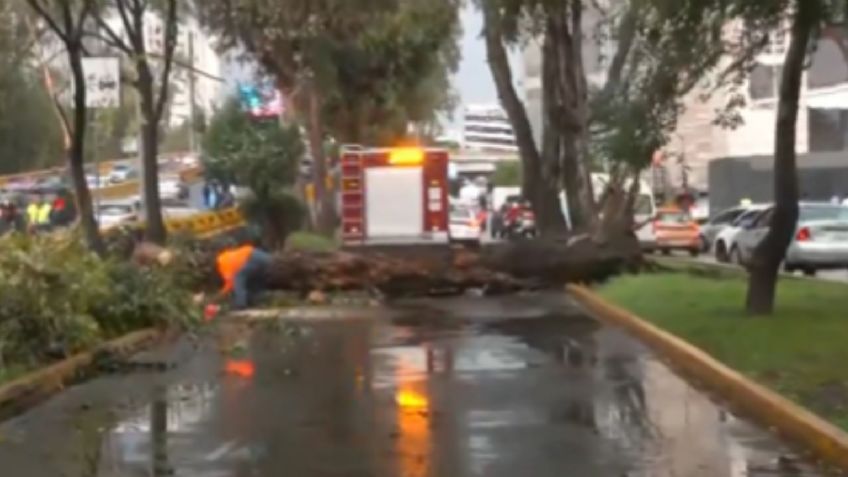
{"points": [[261, 102]]}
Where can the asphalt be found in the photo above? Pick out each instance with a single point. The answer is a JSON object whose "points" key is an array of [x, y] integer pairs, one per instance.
{"points": [[522, 385]]}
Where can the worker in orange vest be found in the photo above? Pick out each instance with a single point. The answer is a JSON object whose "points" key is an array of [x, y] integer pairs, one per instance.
{"points": [[242, 268]]}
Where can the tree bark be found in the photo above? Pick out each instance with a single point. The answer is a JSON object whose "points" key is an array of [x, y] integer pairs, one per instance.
{"points": [[569, 109], [768, 255], [324, 203], [154, 224], [543, 194], [76, 154]]}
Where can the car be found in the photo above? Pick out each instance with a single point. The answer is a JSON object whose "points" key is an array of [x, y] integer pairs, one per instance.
{"points": [[122, 173], [712, 227], [675, 229], [464, 226], [116, 212], [172, 187], [725, 248], [820, 241]]}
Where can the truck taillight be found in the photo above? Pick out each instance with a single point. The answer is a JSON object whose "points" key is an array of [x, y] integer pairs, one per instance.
{"points": [[803, 235]]}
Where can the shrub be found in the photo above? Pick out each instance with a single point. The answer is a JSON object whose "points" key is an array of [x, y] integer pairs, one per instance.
{"points": [[57, 298]]}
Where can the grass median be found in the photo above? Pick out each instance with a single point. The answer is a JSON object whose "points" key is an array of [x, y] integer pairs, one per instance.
{"points": [[801, 351]]}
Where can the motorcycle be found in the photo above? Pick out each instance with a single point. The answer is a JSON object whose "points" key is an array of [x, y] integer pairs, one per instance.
{"points": [[521, 224]]}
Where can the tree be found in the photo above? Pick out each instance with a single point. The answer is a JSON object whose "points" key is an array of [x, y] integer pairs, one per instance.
{"points": [[664, 49], [393, 74], [808, 17], [263, 156], [151, 81], [66, 19], [345, 65], [540, 184], [27, 141]]}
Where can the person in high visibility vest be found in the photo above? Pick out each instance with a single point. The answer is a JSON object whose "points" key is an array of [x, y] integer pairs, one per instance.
{"points": [[242, 269], [38, 213]]}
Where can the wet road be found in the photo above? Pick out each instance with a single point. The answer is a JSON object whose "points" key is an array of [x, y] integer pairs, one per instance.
{"points": [[462, 387]]}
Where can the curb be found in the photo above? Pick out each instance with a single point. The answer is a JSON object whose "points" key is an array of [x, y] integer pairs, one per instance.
{"points": [[30, 389], [793, 421]]}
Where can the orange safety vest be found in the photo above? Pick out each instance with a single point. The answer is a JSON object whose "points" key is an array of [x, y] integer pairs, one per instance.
{"points": [[230, 262]]}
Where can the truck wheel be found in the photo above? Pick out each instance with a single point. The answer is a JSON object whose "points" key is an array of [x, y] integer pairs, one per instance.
{"points": [[694, 252], [809, 272]]}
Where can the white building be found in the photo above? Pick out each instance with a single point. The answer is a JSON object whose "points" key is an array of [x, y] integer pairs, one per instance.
{"points": [[486, 127], [822, 117], [195, 49]]}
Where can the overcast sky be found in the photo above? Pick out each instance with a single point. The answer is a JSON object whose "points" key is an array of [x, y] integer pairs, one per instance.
{"points": [[473, 81]]}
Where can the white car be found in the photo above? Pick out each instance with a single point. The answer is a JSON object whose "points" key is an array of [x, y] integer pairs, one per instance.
{"points": [[114, 213], [171, 187], [122, 173], [725, 247], [464, 226], [820, 241]]}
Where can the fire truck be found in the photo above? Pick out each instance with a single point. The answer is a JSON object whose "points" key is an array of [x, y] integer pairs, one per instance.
{"points": [[394, 196]]}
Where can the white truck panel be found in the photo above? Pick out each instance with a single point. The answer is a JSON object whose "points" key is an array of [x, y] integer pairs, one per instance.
{"points": [[394, 201]]}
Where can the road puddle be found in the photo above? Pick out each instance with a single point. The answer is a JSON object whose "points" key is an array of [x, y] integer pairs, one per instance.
{"points": [[464, 387]]}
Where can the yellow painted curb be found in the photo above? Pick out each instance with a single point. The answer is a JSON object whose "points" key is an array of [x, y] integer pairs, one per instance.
{"points": [[29, 389], [793, 421]]}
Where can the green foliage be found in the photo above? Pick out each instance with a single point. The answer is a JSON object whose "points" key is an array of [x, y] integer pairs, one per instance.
{"points": [[507, 174], [57, 297], [30, 135], [262, 156], [378, 64], [277, 215]]}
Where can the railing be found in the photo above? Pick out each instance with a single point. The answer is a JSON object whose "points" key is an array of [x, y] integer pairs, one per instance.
{"points": [[201, 225]]}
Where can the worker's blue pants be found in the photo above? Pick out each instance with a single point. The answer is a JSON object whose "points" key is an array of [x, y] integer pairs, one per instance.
{"points": [[250, 278]]}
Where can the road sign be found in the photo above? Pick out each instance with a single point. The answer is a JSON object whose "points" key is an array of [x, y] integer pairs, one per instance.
{"points": [[102, 82]]}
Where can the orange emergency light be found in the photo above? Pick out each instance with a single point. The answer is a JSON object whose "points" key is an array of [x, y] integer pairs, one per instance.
{"points": [[406, 156]]}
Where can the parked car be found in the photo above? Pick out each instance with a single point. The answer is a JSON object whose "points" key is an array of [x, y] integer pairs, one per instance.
{"points": [[122, 173], [675, 229], [116, 212], [711, 228], [724, 248], [464, 226], [820, 240], [171, 186]]}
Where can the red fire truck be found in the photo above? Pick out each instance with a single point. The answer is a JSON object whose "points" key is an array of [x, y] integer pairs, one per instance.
{"points": [[394, 196]]}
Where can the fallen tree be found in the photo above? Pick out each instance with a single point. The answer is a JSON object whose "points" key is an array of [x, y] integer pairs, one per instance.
{"points": [[429, 271]]}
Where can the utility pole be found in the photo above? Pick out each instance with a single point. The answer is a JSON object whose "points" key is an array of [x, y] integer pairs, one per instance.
{"points": [[192, 92]]}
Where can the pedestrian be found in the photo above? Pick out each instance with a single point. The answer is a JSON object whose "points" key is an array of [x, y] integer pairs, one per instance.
{"points": [[38, 214], [243, 271]]}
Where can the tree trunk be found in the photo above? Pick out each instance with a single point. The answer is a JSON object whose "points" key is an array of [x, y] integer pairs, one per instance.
{"points": [[154, 224], [568, 108], [76, 154], [768, 255], [324, 203], [542, 194]]}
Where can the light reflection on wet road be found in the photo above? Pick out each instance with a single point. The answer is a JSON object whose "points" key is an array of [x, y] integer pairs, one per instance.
{"points": [[461, 387]]}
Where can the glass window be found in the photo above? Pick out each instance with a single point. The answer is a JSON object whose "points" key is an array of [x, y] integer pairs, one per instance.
{"points": [[762, 82], [674, 217], [727, 216], [823, 212]]}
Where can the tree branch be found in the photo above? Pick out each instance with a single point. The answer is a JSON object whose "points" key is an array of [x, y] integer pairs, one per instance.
{"points": [[42, 12], [171, 31], [113, 39]]}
